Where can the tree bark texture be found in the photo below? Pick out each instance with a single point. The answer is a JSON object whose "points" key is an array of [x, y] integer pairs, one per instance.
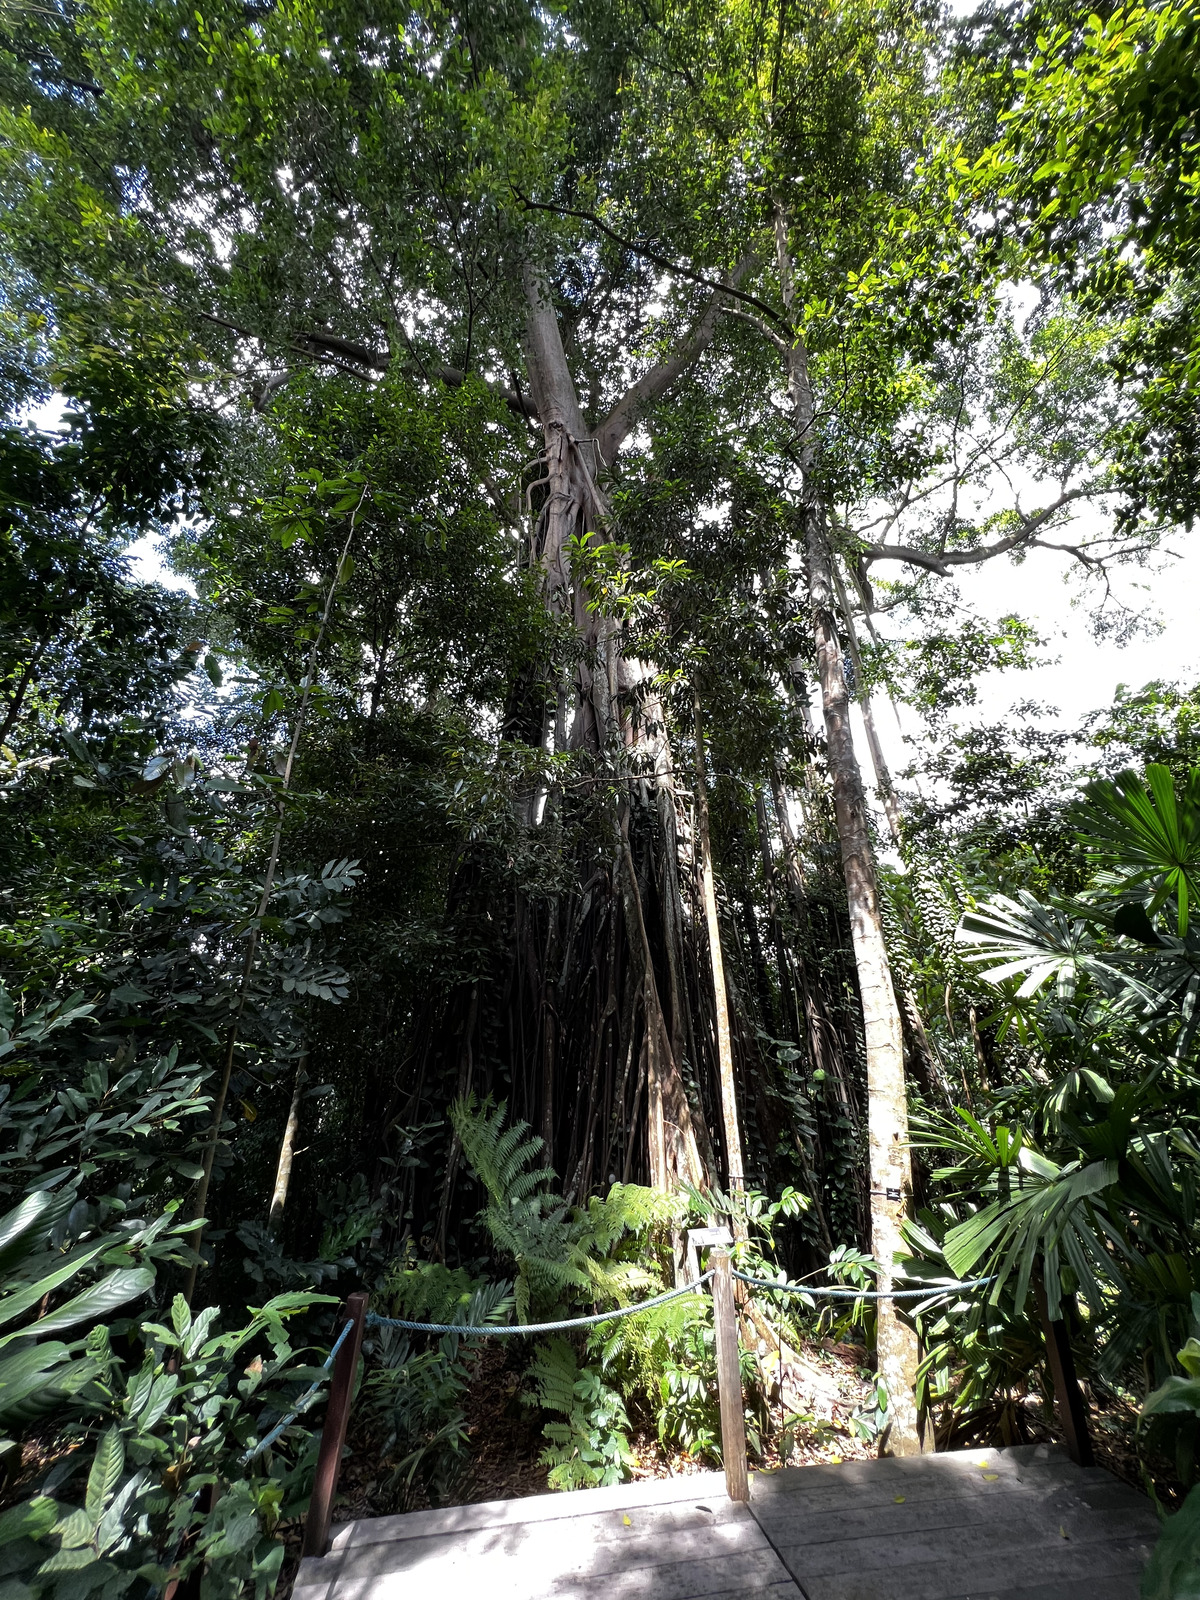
{"points": [[883, 778], [287, 1152], [736, 1173], [890, 1166], [607, 683]]}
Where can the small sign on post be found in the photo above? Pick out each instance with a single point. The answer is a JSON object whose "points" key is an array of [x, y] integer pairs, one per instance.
{"points": [[729, 1368]]}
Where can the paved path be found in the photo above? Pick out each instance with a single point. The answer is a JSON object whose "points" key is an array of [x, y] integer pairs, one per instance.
{"points": [[1021, 1524]]}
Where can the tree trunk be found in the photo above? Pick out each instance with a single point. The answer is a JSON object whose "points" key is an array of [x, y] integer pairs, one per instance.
{"points": [[606, 680], [735, 1176], [883, 778], [287, 1151], [890, 1167]]}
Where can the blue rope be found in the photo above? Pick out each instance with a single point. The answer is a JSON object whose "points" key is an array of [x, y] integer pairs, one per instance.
{"points": [[302, 1404], [501, 1331], [933, 1292], [374, 1320]]}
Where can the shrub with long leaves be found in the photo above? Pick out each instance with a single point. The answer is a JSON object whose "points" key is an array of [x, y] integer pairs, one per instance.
{"points": [[1084, 1171]]}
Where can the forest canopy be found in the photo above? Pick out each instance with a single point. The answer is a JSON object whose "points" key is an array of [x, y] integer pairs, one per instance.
{"points": [[473, 860]]}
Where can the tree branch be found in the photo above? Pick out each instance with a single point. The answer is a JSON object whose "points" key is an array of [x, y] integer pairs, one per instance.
{"points": [[660, 261], [331, 349], [620, 420], [941, 562], [514, 399], [757, 322], [326, 341]]}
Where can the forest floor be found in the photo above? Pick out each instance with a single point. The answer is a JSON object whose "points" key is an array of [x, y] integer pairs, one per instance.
{"points": [[822, 1392]]}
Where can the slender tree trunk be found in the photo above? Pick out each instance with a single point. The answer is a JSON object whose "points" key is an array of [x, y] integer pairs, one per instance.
{"points": [[17, 698], [883, 778], [890, 1166], [736, 1176], [287, 1151]]}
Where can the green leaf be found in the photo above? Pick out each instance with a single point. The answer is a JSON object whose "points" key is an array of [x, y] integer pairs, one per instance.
{"points": [[1176, 1394], [75, 1530], [160, 1399], [126, 1283], [25, 1373], [181, 1315], [1149, 832], [14, 1304], [72, 1560], [32, 1520], [139, 1388], [1174, 1570], [38, 1209], [107, 1466]]}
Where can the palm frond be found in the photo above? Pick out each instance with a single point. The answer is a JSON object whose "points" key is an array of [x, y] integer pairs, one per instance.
{"points": [[1148, 833], [1044, 943]]}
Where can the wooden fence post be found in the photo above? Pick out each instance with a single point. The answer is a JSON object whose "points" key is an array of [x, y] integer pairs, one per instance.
{"points": [[729, 1376], [1072, 1414], [333, 1434]]}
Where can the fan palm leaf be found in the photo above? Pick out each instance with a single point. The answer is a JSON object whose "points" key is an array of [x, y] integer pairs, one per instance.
{"points": [[1148, 834]]}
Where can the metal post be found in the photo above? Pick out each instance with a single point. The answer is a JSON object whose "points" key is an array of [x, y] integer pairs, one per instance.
{"points": [[1072, 1414], [729, 1376], [333, 1434]]}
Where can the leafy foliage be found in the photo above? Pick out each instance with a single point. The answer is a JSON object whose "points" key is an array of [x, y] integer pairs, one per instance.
{"points": [[562, 1254], [388, 794]]}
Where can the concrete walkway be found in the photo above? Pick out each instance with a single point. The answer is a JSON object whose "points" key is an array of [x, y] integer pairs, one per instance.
{"points": [[1022, 1524]]}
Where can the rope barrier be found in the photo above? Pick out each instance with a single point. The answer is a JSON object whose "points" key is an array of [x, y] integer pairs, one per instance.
{"points": [[503, 1330], [302, 1404], [933, 1292], [500, 1331]]}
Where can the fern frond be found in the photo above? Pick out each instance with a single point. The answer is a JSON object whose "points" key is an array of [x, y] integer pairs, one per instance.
{"points": [[501, 1158], [620, 1281], [553, 1373], [629, 1208]]}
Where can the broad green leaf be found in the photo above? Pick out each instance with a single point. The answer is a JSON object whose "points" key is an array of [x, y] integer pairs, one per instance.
{"points": [[76, 1529], [24, 1372], [16, 1226], [126, 1283], [1176, 1394], [107, 1466], [1174, 1570], [160, 1399], [73, 1560], [14, 1304], [32, 1520]]}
